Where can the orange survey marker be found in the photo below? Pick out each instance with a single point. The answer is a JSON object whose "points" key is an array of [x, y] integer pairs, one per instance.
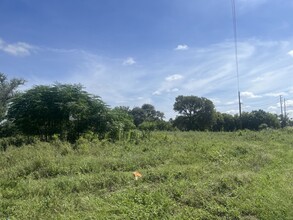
{"points": [[136, 175]]}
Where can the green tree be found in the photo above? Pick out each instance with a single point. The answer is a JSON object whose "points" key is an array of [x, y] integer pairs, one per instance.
{"points": [[138, 115], [229, 122], [147, 113], [8, 89], [253, 120], [219, 122], [198, 113], [61, 109], [120, 123]]}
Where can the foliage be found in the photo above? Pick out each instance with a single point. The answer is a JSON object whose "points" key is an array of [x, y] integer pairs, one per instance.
{"points": [[231, 123], [120, 123], [16, 141], [219, 122], [7, 91], [66, 110], [196, 113], [146, 113], [186, 175], [156, 126], [255, 119], [138, 115]]}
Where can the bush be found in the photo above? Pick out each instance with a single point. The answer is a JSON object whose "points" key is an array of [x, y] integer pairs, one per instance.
{"points": [[16, 141]]}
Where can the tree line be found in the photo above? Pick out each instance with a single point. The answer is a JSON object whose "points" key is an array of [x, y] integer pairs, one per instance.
{"points": [[68, 111]]}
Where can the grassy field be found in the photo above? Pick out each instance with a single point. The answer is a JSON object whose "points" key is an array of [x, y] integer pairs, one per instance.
{"points": [[192, 175]]}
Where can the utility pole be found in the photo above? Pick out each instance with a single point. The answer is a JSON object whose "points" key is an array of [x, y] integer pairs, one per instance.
{"points": [[281, 104], [239, 104], [282, 116], [285, 113]]}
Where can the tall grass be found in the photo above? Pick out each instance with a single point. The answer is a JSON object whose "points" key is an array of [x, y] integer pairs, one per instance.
{"points": [[191, 175]]}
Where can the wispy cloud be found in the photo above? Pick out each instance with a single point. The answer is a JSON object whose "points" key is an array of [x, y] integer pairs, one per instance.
{"points": [[129, 61], [169, 84], [232, 111], [249, 95], [17, 49], [290, 53], [182, 47], [173, 77], [206, 72], [275, 94]]}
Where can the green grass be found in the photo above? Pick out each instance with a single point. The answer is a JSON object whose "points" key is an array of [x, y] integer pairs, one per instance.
{"points": [[192, 175]]}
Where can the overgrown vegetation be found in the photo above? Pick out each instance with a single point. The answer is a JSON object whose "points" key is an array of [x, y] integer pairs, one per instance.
{"points": [[186, 175], [68, 112]]}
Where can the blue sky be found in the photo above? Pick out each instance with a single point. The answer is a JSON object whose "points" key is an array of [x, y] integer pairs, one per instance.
{"points": [[132, 52]]}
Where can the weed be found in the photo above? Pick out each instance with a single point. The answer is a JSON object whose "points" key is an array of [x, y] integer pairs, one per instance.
{"points": [[185, 175]]}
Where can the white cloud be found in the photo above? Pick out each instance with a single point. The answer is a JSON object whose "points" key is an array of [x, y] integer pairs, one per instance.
{"points": [[249, 95], [232, 102], [158, 92], [232, 111], [129, 61], [174, 77], [182, 47], [258, 79], [275, 94], [290, 53], [208, 72], [172, 90], [17, 49], [175, 90], [216, 101], [272, 108], [169, 85]]}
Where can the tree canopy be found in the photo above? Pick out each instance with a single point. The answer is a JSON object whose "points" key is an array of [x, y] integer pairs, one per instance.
{"points": [[146, 113], [7, 91], [61, 109], [195, 113], [253, 120], [69, 111]]}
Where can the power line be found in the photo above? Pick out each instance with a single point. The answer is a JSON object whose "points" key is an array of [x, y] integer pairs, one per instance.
{"points": [[235, 41], [236, 51]]}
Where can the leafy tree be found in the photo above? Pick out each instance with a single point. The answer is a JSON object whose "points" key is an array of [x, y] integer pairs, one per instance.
{"points": [[149, 111], [61, 109], [146, 113], [7, 92], [198, 113], [120, 122], [219, 122], [254, 119], [229, 122], [182, 123], [138, 115], [151, 114]]}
